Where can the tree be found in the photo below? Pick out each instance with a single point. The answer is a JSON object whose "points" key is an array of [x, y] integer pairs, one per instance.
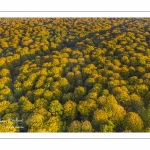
{"points": [[107, 127], [132, 122], [87, 107], [105, 92], [56, 108], [42, 111], [48, 95], [92, 95], [12, 108], [125, 60], [125, 72], [3, 106], [101, 101], [41, 103], [140, 71], [38, 93], [54, 124], [70, 77], [106, 100], [64, 62], [35, 122], [86, 72], [116, 113], [97, 88], [6, 93], [75, 126], [48, 83], [55, 85], [25, 105], [86, 126], [89, 83], [123, 99], [79, 93], [141, 89], [64, 84], [122, 96], [2, 63], [70, 110], [40, 82], [67, 97], [27, 85], [5, 73], [57, 94], [145, 115], [113, 83], [99, 118], [18, 90], [137, 102]]}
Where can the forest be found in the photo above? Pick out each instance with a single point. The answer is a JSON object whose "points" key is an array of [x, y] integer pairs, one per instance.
{"points": [[74, 74]]}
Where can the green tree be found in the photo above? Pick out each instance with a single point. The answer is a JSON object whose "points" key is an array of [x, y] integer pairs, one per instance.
{"points": [[89, 83], [145, 115], [57, 94], [67, 97], [79, 93], [41, 103], [107, 127], [137, 102], [56, 108]]}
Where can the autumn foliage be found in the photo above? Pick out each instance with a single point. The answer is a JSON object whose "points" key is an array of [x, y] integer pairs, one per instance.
{"points": [[74, 75]]}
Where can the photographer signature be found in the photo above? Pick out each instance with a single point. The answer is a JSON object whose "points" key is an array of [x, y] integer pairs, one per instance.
{"points": [[13, 120]]}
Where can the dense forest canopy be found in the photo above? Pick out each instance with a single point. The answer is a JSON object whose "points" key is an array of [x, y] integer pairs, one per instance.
{"points": [[74, 75]]}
